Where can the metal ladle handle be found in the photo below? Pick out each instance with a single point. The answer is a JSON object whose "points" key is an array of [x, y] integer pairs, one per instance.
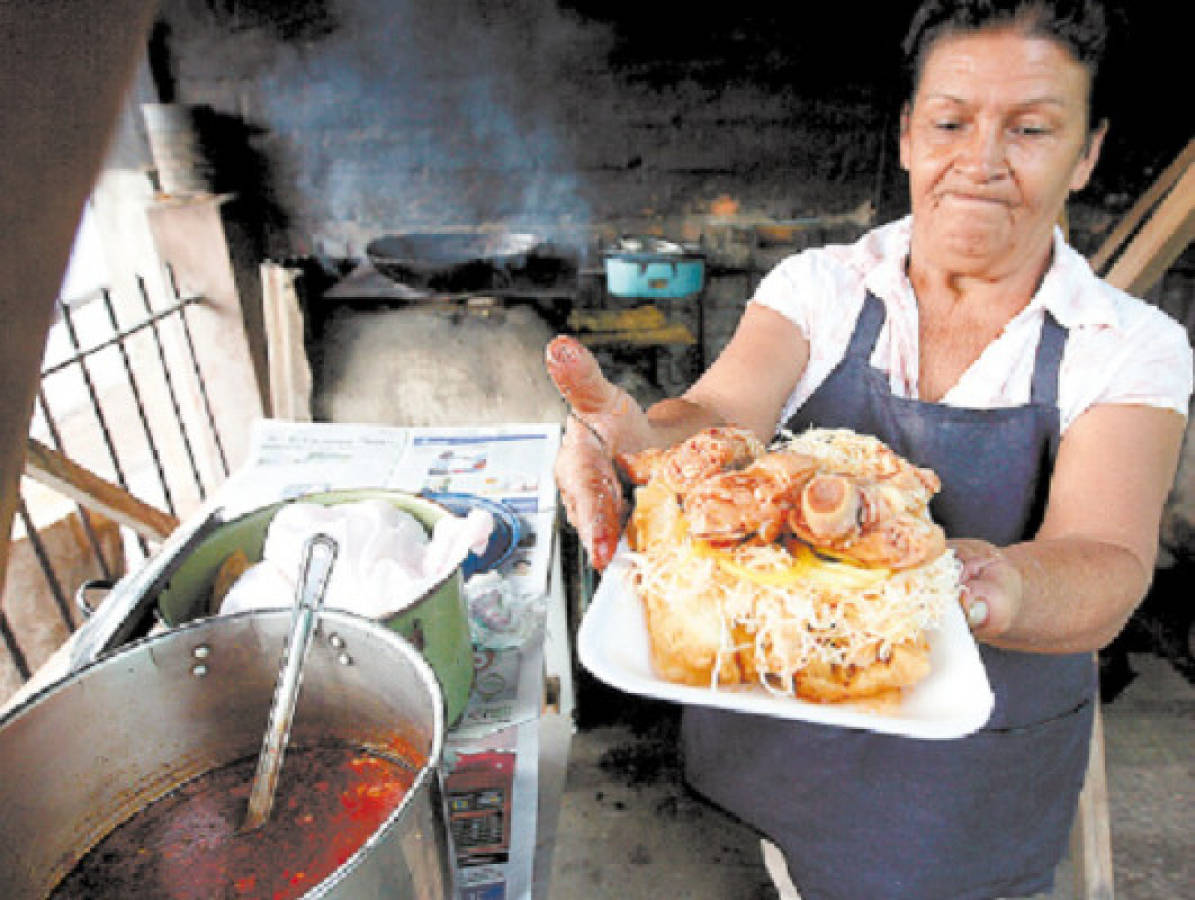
{"points": [[319, 553]]}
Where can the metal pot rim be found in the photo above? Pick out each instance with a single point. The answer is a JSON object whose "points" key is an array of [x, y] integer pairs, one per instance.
{"points": [[652, 248], [425, 782], [179, 632], [350, 495]]}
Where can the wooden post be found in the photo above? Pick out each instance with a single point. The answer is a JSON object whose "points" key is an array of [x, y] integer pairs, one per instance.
{"points": [[66, 69], [1091, 836]]}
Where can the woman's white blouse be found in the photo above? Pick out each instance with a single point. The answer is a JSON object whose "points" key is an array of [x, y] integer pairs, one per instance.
{"points": [[1120, 349]]}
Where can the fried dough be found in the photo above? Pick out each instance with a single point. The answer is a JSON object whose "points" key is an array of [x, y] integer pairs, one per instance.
{"points": [[698, 636], [823, 683]]}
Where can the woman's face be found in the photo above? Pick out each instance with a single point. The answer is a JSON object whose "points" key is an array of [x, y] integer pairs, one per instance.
{"points": [[994, 140]]}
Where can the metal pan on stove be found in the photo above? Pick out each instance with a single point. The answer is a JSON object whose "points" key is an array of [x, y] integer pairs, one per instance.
{"points": [[452, 262]]}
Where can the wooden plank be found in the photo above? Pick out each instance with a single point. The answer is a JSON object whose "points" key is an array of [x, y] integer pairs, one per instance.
{"points": [[1131, 220], [196, 238], [1160, 241], [289, 371], [677, 335], [640, 318], [51, 468], [1091, 836]]}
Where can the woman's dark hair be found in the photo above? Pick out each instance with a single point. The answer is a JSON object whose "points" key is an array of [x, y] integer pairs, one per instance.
{"points": [[1080, 26]]}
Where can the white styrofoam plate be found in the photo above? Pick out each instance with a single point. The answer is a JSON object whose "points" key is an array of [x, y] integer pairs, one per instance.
{"points": [[954, 700]]}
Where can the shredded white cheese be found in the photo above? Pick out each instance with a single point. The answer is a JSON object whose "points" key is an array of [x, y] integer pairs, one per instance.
{"points": [[802, 611], [807, 620]]}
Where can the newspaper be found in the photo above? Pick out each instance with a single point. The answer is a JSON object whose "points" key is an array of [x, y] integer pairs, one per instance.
{"points": [[509, 463], [491, 776], [491, 760]]}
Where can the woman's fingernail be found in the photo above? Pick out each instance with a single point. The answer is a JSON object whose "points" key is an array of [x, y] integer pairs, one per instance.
{"points": [[977, 613]]}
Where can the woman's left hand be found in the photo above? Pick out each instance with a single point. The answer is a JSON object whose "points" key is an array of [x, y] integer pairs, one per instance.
{"points": [[993, 589]]}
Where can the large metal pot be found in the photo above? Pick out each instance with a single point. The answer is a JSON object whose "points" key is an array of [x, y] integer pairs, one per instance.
{"points": [[85, 754]]}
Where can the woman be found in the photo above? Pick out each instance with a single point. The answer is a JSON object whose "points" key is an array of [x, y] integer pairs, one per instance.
{"points": [[974, 341]]}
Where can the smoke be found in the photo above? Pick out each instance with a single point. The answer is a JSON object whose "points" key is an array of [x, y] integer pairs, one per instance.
{"points": [[419, 116]]}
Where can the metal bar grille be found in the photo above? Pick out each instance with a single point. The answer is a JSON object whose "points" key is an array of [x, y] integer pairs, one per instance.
{"points": [[159, 316], [140, 404], [47, 566], [163, 405], [13, 648], [170, 388], [181, 304], [96, 407]]}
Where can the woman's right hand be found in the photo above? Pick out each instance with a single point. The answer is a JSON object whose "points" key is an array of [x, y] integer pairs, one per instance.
{"points": [[604, 422]]}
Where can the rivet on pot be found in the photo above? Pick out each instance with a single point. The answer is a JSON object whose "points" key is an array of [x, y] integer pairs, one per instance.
{"points": [[201, 652], [344, 659], [336, 641], [199, 670]]}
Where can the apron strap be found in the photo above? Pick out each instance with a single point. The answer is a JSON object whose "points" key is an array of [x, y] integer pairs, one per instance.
{"points": [[1047, 362], [867, 328]]}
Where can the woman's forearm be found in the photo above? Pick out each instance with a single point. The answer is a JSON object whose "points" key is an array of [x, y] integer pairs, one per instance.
{"points": [[1067, 595], [676, 418]]}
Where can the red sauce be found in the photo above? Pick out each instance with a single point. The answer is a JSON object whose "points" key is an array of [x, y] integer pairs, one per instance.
{"points": [[187, 844]]}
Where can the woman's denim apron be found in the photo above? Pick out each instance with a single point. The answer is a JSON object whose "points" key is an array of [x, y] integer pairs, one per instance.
{"points": [[864, 815]]}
